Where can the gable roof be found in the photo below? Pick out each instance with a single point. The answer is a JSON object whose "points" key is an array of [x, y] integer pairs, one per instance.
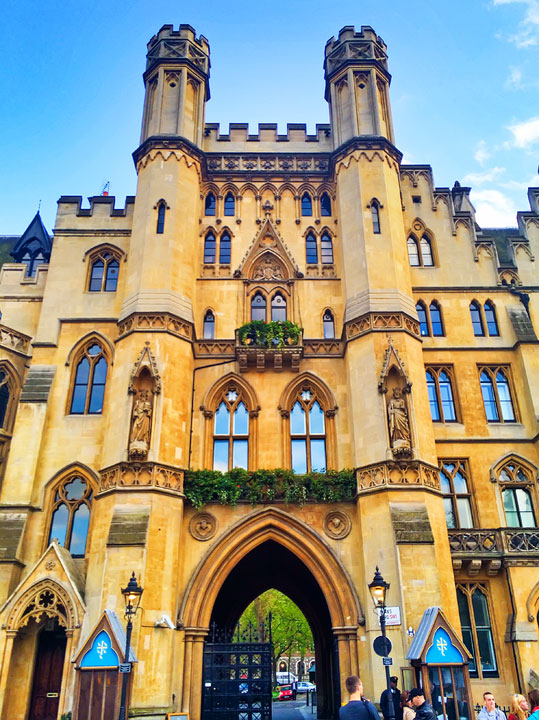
{"points": [[434, 619], [35, 231], [110, 622]]}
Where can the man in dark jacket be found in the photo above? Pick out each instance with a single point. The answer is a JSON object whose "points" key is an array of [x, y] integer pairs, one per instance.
{"points": [[395, 697], [423, 709]]}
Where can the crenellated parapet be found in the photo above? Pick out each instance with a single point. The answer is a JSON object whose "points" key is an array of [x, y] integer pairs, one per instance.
{"points": [[102, 209], [177, 46]]}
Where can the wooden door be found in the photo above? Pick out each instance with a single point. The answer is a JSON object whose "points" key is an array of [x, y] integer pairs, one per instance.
{"points": [[98, 695], [48, 671]]}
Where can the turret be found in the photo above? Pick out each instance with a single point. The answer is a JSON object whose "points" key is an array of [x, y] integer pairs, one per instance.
{"points": [[357, 85], [177, 84]]}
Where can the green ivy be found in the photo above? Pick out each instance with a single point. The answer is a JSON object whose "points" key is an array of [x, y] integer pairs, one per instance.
{"points": [[262, 486], [272, 335]]}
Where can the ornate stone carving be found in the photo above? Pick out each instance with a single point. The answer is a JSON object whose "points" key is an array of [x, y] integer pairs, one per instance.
{"points": [[203, 526], [45, 599], [215, 348], [141, 476], [323, 348], [14, 340], [249, 164], [164, 322], [406, 473], [268, 269], [146, 359], [141, 423], [337, 524], [399, 424], [377, 322], [50, 565]]}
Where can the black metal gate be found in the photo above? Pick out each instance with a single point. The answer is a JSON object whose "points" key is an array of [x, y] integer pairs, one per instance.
{"points": [[236, 675]]}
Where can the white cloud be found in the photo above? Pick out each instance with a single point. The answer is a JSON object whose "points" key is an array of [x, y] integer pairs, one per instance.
{"points": [[481, 154], [514, 79], [525, 134], [528, 32], [480, 178], [494, 209]]}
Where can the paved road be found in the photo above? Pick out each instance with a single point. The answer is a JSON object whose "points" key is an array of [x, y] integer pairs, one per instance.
{"points": [[292, 710]]}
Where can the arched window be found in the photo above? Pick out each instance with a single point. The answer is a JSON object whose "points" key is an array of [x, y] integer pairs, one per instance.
{"points": [[104, 272], [208, 330], [516, 483], [477, 320], [230, 204], [413, 252], [326, 249], [426, 251], [32, 257], [258, 307], [328, 324], [325, 205], [231, 432], [490, 317], [311, 249], [209, 248], [209, 205], [89, 384], [436, 320], [375, 214], [278, 308], [440, 391], [70, 514], [455, 489], [307, 433], [496, 391], [422, 315], [161, 218], [225, 249], [306, 205], [4, 398], [477, 629]]}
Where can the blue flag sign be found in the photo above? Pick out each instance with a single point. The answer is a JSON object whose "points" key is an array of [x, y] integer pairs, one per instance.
{"points": [[101, 653], [442, 650]]}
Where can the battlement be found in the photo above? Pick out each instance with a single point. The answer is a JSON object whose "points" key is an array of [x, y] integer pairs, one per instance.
{"points": [[348, 33], [354, 48], [239, 139], [177, 46], [102, 207]]}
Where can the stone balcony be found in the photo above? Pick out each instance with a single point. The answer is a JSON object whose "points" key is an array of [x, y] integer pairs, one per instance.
{"points": [[474, 550], [263, 353]]}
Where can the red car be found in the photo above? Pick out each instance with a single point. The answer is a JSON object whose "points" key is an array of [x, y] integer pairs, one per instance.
{"points": [[286, 692]]}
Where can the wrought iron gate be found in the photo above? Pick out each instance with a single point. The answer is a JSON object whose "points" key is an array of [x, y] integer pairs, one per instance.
{"points": [[236, 676]]}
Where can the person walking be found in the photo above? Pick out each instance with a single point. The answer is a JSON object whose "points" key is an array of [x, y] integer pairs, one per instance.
{"points": [[408, 713], [357, 708], [533, 697], [423, 709], [395, 697], [519, 708], [490, 711]]}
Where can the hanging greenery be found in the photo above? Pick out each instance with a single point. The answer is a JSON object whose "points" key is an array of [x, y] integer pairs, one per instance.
{"points": [[271, 335], [261, 486]]}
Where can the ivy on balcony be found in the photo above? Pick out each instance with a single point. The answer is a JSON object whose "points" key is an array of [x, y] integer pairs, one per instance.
{"points": [[271, 335], [263, 486]]}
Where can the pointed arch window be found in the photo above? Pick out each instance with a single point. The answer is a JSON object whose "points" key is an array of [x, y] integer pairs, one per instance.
{"points": [[311, 249], [496, 391], [161, 209], [516, 482], [209, 248], [258, 307], [477, 320], [230, 204], [208, 330], [440, 391], [375, 214], [104, 272], [225, 248], [420, 253], [89, 384], [413, 252], [32, 257], [326, 249], [490, 317], [328, 324], [306, 205], [454, 481], [70, 514], [426, 251], [278, 308], [436, 319], [307, 433], [231, 432], [210, 204], [422, 315], [477, 629], [325, 205]]}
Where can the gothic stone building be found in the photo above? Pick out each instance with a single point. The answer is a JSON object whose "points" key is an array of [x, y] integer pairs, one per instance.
{"points": [[399, 342]]}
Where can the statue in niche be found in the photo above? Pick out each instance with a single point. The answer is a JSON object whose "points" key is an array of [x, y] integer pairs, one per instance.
{"points": [[267, 269], [399, 424], [139, 440]]}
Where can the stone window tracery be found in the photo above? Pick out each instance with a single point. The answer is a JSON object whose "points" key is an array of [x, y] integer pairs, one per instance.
{"points": [[278, 307], [104, 271], [516, 483], [430, 321], [454, 482], [32, 257], [89, 380], [477, 629], [420, 251], [325, 205], [307, 433], [230, 204], [210, 204], [225, 248], [306, 205], [328, 323], [208, 330], [477, 320], [440, 391], [484, 317], [326, 249], [497, 393], [209, 248], [70, 514], [311, 249], [231, 431]]}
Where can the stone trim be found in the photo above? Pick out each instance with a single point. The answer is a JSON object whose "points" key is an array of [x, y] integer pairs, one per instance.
{"points": [[381, 322], [403, 474], [14, 340], [126, 476], [155, 322]]}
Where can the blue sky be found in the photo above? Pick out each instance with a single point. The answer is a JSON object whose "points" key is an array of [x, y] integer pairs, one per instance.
{"points": [[465, 89]]}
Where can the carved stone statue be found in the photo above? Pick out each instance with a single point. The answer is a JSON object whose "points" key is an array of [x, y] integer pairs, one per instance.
{"points": [[139, 440], [399, 425], [267, 269]]}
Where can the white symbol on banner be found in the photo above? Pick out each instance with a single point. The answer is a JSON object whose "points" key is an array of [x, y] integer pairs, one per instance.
{"points": [[441, 644], [102, 648]]}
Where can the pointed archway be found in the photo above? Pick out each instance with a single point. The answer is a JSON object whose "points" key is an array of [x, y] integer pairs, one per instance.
{"points": [[272, 548]]}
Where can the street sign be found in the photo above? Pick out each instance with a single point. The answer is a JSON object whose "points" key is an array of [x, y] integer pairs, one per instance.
{"points": [[387, 661], [393, 615], [125, 667], [382, 645]]}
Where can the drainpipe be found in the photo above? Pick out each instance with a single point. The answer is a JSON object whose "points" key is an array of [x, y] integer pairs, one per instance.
{"points": [[513, 615]]}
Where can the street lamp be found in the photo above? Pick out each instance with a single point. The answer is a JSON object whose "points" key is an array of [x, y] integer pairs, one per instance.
{"points": [[378, 589], [132, 594]]}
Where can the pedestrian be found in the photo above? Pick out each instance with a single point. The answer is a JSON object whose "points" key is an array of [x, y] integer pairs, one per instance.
{"points": [[519, 708], [533, 697], [408, 713], [395, 697], [490, 711], [357, 707], [423, 709]]}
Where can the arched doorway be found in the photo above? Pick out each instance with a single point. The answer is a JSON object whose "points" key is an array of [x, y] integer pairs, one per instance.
{"points": [[48, 670], [273, 548]]}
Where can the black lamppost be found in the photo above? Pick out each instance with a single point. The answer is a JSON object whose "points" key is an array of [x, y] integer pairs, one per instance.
{"points": [[378, 588], [132, 594]]}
